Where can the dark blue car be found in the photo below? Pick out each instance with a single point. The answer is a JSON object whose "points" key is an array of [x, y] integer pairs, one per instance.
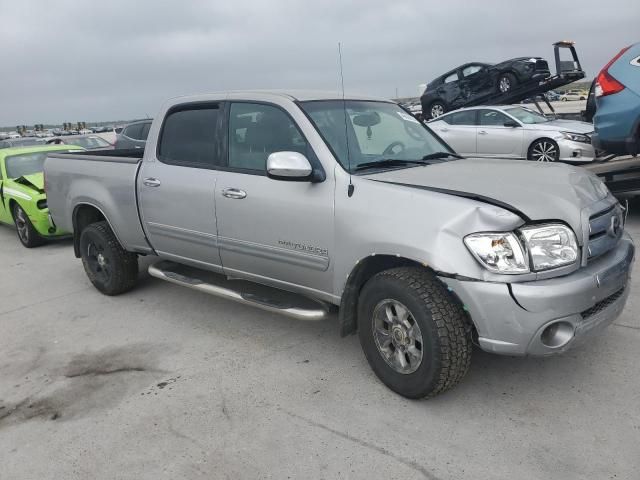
{"points": [[617, 91]]}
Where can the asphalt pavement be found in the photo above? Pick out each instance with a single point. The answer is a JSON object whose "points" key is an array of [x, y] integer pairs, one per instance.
{"points": [[165, 382]]}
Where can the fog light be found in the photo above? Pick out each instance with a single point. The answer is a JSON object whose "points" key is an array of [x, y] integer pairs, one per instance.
{"points": [[557, 334]]}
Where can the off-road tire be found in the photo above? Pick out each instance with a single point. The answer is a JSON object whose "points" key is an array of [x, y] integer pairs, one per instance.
{"points": [[444, 325], [123, 265], [27, 234]]}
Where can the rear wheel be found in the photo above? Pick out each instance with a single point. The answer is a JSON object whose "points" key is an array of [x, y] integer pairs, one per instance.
{"points": [[27, 234], [544, 150], [507, 82], [436, 109], [414, 335], [111, 269]]}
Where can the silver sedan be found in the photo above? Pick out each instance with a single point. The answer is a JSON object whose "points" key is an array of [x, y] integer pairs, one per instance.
{"points": [[513, 131]]}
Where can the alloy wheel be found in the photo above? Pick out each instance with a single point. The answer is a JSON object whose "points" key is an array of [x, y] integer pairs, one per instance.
{"points": [[21, 225], [397, 336], [544, 152], [436, 110], [505, 84]]}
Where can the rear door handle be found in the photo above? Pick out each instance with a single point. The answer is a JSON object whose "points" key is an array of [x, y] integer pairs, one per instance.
{"points": [[151, 182], [444, 129], [234, 193], [482, 132]]}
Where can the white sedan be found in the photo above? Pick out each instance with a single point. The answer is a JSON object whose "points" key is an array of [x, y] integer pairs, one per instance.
{"points": [[512, 131]]}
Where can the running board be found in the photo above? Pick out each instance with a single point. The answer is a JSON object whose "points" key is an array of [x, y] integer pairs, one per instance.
{"points": [[249, 293]]}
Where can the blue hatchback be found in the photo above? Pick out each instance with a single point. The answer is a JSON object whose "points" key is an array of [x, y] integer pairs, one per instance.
{"points": [[617, 90]]}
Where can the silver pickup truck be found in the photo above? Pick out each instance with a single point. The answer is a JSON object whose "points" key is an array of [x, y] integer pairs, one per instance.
{"points": [[304, 203]]}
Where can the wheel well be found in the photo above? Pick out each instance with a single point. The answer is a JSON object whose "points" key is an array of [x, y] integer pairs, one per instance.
{"points": [[537, 140], [83, 216], [361, 273], [12, 202]]}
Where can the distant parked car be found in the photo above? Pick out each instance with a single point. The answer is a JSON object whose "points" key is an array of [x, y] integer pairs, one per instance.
{"points": [[617, 91], [133, 135], [21, 142], [573, 95], [23, 201], [474, 81], [88, 142], [513, 131]]}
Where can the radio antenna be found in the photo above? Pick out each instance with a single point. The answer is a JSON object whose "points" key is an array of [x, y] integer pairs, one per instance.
{"points": [[350, 188]]}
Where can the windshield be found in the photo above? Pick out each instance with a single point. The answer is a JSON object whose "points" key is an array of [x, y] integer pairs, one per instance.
{"points": [[373, 132], [25, 164], [88, 143], [526, 116]]}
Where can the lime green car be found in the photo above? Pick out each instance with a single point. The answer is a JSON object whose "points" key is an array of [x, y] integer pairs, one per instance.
{"points": [[23, 201]]}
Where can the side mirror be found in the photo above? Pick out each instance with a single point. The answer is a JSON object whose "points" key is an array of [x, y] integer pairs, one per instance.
{"points": [[511, 123], [292, 166]]}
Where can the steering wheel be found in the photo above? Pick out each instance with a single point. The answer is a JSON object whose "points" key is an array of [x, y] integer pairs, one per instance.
{"points": [[389, 149]]}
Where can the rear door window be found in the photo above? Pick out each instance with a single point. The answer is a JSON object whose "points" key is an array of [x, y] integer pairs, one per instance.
{"points": [[465, 117], [451, 78], [134, 131], [189, 137], [145, 131]]}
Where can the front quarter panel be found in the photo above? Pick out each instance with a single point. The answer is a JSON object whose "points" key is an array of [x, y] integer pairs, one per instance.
{"points": [[423, 226]]}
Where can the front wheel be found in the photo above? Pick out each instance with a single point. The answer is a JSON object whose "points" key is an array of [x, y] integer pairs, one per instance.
{"points": [[413, 333], [110, 268], [27, 234], [544, 150], [506, 82]]}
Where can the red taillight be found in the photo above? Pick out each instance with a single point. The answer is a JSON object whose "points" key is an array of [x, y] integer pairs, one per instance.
{"points": [[605, 83], [44, 177]]}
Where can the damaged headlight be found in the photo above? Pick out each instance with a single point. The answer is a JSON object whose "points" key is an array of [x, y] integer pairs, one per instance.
{"points": [[540, 247], [498, 252]]}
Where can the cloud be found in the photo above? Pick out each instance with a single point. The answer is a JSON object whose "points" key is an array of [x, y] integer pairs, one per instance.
{"points": [[73, 61]]}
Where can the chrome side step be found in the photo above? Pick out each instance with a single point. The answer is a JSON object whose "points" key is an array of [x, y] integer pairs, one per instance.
{"points": [[266, 298]]}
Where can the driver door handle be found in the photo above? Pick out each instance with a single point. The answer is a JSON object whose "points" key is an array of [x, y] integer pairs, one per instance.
{"points": [[444, 129], [151, 182], [234, 193], [482, 132]]}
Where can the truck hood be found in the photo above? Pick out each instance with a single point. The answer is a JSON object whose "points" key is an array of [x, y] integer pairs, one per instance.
{"points": [[564, 125], [34, 181], [532, 190]]}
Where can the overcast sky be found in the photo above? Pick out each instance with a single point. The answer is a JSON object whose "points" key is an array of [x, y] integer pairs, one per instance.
{"points": [[68, 60]]}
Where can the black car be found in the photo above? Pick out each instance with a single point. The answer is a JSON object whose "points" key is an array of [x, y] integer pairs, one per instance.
{"points": [[473, 83]]}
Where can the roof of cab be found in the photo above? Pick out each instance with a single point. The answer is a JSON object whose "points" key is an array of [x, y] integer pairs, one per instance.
{"points": [[294, 95]]}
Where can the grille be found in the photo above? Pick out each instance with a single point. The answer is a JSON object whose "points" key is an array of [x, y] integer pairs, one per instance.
{"points": [[605, 230], [602, 304]]}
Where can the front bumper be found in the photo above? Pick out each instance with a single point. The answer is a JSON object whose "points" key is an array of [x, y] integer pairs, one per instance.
{"points": [[571, 151], [547, 317]]}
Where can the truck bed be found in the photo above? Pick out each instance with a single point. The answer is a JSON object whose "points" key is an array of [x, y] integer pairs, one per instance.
{"points": [[105, 180]]}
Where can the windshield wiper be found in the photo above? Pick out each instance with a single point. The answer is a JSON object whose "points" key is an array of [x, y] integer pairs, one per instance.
{"points": [[435, 155], [388, 162]]}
